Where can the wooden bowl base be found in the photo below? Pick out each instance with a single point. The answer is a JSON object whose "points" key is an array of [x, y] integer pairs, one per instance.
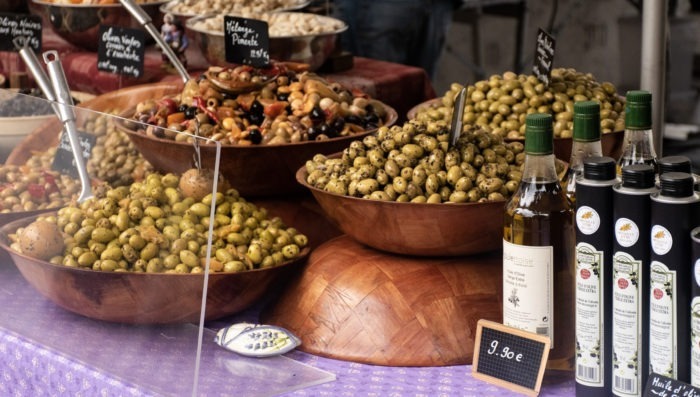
{"points": [[358, 304]]}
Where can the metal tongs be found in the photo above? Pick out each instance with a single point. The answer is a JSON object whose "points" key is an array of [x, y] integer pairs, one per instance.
{"points": [[142, 17], [457, 115]]}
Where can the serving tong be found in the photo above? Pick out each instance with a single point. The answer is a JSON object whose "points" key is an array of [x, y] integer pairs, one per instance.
{"points": [[55, 88], [457, 115]]}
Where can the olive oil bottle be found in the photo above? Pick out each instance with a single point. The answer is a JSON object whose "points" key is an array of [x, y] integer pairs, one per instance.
{"points": [[538, 249], [638, 146], [586, 142]]}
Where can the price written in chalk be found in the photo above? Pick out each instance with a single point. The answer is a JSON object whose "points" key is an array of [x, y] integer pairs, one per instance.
{"points": [[662, 386], [544, 56], [15, 26], [247, 41], [121, 51], [504, 352]]}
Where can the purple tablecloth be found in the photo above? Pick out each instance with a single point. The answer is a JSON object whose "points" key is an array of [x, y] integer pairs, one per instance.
{"points": [[47, 351]]}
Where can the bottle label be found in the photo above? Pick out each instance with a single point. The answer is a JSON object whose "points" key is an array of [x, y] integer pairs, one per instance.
{"points": [[661, 240], [589, 315], [528, 288], [626, 232], [627, 325], [695, 341], [587, 220], [662, 320], [696, 272]]}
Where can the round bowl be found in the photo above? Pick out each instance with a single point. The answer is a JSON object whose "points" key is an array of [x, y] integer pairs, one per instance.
{"points": [[145, 298], [612, 142], [204, 7], [79, 24], [312, 49], [255, 171], [417, 229], [14, 129]]}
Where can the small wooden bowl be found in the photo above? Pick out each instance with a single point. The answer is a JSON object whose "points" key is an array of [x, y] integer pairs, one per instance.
{"points": [[255, 171], [145, 298], [417, 229]]}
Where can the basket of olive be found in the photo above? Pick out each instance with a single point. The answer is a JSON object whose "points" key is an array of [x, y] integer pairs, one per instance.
{"points": [[406, 191], [266, 133], [501, 103], [138, 254]]}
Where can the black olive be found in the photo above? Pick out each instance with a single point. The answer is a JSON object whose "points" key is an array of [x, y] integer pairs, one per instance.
{"points": [[317, 115], [255, 136], [352, 119], [371, 126], [338, 124], [325, 129], [372, 118], [256, 108], [313, 133], [190, 112], [182, 108], [282, 96], [256, 119], [288, 108]]}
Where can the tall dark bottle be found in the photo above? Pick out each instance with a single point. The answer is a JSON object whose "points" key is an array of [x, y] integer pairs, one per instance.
{"points": [[538, 249], [630, 279], [674, 213], [594, 248], [638, 146], [586, 142]]}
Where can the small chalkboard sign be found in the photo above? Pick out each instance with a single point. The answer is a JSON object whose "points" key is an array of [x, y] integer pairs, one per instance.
{"points": [[121, 50], [15, 26], [509, 357], [544, 56], [63, 160], [663, 386], [247, 41]]}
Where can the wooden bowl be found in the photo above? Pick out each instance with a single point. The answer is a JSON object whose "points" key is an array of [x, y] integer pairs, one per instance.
{"points": [[255, 171], [612, 142], [145, 298], [418, 229]]}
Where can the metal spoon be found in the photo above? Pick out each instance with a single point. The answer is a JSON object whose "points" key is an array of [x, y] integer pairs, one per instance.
{"points": [[457, 114]]}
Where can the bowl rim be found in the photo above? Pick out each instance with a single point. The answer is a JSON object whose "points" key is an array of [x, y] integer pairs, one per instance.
{"points": [[4, 238], [125, 116], [112, 5], [171, 3], [190, 25]]}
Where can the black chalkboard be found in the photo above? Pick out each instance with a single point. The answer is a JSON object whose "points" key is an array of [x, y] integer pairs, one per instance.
{"points": [[14, 26], [544, 56], [63, 160], [662, 386], [509, 357], [247, 41], [121, 50]]}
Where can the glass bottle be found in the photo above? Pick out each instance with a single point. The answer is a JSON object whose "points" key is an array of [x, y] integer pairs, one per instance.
{"points": [[586, 142], [539, 249], [639, 141]]}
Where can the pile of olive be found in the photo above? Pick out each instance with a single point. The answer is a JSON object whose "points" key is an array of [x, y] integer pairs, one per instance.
{"points": [[151, 227], [415, 163], [30, 188], [502, 102]]}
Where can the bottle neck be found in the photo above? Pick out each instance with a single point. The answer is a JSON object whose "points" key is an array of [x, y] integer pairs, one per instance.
{"points": [[639, 143], [539, 169], [581, 150]]}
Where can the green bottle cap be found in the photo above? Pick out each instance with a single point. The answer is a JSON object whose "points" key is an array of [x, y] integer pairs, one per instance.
{"points": [[538, 134], [587, 121], [638, 110]]}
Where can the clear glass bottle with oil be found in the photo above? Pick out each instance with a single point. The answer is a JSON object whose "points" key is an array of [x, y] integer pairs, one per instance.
{"points": [[586, 142], [638, 146]]}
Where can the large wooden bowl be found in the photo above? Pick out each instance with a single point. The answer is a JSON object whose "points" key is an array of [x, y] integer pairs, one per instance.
{"points": [[255, 171], [418, 229], [145, 298]]}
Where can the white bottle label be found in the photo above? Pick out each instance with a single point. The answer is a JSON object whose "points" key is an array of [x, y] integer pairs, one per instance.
{"points": [[627, 325], [662, 320], [587, 220], [626, 232], [661, 240], [589, 315], [528, 288], [695, 341]]}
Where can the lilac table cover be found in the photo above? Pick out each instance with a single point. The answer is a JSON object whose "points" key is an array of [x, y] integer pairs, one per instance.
{"points": [[47, 351]]}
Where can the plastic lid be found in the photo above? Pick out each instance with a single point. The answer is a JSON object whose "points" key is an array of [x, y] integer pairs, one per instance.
{"points": [[674, 164], [638, 110], [638, 176], [587, 121], [599, 168], [538, 134], [676, 184]]}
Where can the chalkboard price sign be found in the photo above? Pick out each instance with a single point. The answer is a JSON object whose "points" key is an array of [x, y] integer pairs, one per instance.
{"points": [[121, 51], [247, 41], [16, 26], [544, 56], [509, 357], [662, 386], [64, 161]]}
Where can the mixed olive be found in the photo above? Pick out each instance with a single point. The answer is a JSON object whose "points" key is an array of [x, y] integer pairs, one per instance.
{"points": [[414, 163], [152, 227], [502, 102], [294, 107], [30, 188]]}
